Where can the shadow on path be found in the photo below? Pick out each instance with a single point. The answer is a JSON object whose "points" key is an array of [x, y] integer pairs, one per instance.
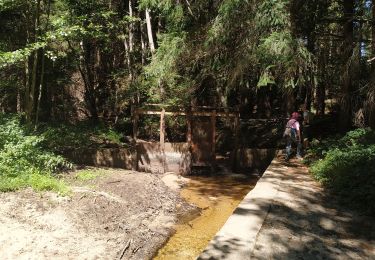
{"points": [[303, 222]]}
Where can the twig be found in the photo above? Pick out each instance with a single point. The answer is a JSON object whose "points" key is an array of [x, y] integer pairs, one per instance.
{"points": [[370, 60], [136, 249], [125, 248], [188, 6], [110, 182]]}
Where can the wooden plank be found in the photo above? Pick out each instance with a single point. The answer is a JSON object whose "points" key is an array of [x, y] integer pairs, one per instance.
{"points": [[195, 107], [180, 113]]}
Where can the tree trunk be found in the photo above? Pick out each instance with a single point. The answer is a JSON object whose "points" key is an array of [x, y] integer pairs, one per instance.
{"points": [[27, 65], [346, 106], [42, 70], [131, 27], [310, 85], [143, 44], [129, 46], [149, 31], [27, 86], [320, 99], [40, 90], [289, 101], [84, 69], [320, 91], [31, 93], [371, 93]]}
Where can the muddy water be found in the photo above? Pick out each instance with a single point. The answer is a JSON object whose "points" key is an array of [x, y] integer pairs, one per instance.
{"points": [[217, 197]]}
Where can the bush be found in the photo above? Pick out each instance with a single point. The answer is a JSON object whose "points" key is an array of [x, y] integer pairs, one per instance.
{"points": [[347, 167], [24, 162], [62, 136]]}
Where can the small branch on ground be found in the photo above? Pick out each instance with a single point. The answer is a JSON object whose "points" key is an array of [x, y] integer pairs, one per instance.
{"points": [[126, 248]]}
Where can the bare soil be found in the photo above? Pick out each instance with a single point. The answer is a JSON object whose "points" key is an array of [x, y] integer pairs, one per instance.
{"points": [[121, 215]]}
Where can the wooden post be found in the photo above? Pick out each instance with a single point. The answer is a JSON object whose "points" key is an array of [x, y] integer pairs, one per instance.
{"points": [[189, 133], [162, 138], [135, 136], [135, 124], [213, 126], [236, 142]]}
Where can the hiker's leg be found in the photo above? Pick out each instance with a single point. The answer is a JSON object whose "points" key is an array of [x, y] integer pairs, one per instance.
{"points": [[299, 149], [288, 149]]}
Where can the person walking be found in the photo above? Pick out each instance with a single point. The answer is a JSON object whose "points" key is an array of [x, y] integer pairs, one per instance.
{"points": [[292, 134]]}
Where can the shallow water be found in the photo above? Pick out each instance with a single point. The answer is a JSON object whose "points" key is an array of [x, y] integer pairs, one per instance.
{"points": [[217, 197]]}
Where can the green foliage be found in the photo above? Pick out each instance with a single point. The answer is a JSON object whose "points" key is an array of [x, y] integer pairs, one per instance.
{"points": [[23, 161], [347, 167], [291, 62], [272, 15], [12, 57], [254, 42], [10, 4], [266, 78], [163, 71], [161, 5], [84, 134]]}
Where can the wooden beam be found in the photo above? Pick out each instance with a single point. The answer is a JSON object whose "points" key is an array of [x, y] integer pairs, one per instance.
{"points": [[180, 113], [195, 107]]}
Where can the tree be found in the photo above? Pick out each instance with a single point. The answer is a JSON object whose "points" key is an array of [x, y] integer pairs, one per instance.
{"points": [[347, 50]]}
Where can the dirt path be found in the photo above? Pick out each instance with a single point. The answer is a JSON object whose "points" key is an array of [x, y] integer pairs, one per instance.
{"points": [[123, 214], [304, 223]]}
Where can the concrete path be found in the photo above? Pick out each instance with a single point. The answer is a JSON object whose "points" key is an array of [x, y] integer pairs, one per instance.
{"points": [[289, 216]]}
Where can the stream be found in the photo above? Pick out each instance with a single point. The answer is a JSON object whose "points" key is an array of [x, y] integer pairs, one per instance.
{"points": [[218, 197]]}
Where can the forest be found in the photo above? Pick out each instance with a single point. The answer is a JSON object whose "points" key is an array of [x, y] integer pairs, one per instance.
{"points": [[68, 61], [88, 79], [71, 69]]}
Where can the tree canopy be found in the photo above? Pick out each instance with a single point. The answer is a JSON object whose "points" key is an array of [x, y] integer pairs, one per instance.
{"points": [[66, 60]]}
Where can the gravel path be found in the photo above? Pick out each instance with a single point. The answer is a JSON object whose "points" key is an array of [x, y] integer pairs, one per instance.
{"points": [[304, 223]]}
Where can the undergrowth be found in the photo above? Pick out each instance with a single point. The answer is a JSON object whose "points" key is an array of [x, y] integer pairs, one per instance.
{"points": [[84, 134], [23, 160], [346, 165]]}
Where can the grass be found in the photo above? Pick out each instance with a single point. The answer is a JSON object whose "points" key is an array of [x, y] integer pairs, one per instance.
{"points": [[39, 182], [87, 175]]}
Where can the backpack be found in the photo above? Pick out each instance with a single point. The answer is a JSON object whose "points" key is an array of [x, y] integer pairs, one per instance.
{"points": [[289, 131]]}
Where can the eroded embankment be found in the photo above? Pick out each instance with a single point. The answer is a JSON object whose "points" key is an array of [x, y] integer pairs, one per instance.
{"points": [[121, 214]]}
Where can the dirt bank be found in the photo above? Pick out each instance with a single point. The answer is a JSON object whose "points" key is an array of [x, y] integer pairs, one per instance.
{"points": [[122, 214]]}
